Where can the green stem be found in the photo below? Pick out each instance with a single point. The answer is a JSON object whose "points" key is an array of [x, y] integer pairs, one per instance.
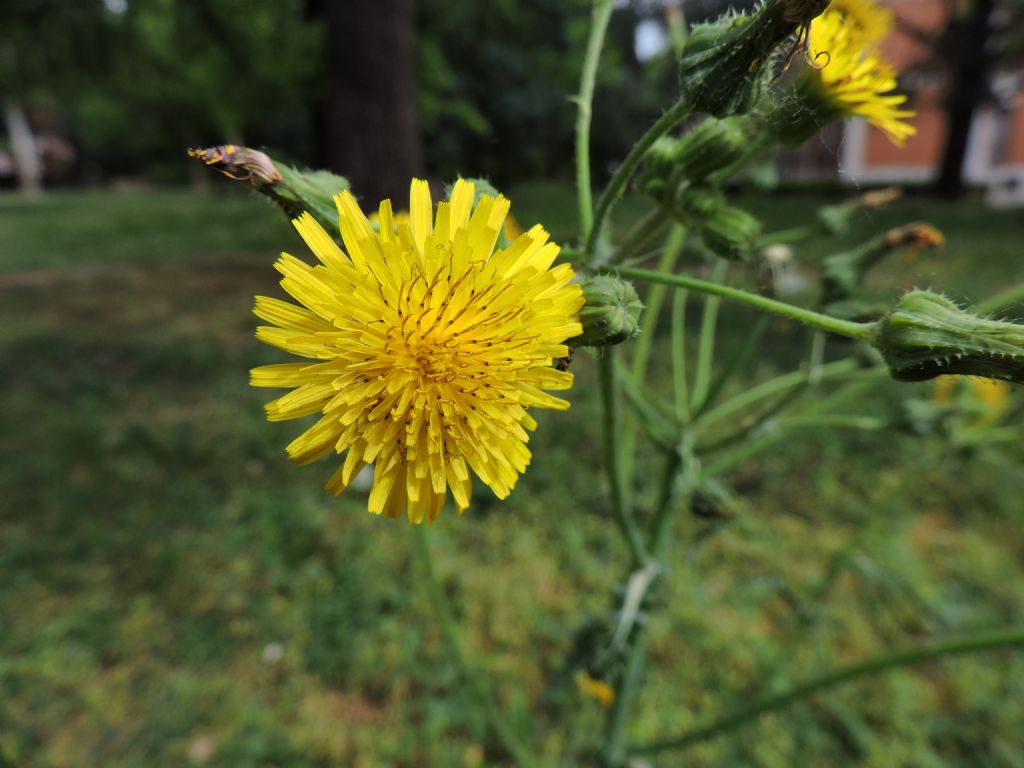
{"points": [[602, 12], [860, 331], [754, 446], [662, 125], [678, 342], [613, 458], [655, 299], [1002, 300], [642, 348], [786, 236], [836, 420], [646, 229], [737, 360], [706, 348], [1005, 638], [677, 32], [773, 386], [667, 503], [614, 753], [471, 678]]}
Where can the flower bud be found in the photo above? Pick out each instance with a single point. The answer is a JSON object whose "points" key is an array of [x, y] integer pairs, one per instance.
{"points": [[725, 63], [716, 148], [731, 233], [293, 190], [611, 313], [928, 335], [728, 232]]}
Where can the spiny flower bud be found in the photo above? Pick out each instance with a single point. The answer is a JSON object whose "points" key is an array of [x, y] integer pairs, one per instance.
{"points": [[725, 63], [928, 335], [715, 148], [611, 313], [729, 232], [293, 190]]}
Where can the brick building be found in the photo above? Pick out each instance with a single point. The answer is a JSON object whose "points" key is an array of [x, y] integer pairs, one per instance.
{"points": [[995, 154]]}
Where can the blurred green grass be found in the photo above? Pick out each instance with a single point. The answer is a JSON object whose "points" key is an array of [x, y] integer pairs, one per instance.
{"points": [[174, 592]]}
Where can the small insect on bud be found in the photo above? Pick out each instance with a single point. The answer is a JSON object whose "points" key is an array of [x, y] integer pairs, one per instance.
{"points": [[611, 313], [928, 335]]}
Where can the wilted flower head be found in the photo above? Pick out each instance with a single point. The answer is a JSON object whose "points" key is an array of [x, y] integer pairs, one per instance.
{"points": [[239, 163], [427, 348]]}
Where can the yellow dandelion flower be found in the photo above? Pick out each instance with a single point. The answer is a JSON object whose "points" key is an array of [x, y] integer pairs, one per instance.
{"points": [[992, 393], [512, 226], [430, 347], [866, 21], [986, 399], [596, 689], [853, 77]]}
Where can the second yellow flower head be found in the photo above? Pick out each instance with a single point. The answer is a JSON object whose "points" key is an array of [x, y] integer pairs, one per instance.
{"points": [[428, 348]]}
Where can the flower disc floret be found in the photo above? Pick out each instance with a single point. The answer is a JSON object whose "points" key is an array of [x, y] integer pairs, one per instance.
{"points": [[431, 347]]}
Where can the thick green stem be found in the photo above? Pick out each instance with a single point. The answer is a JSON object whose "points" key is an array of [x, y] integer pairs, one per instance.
{"points": [[614, 752], [774, 386], [595, 42], [667, 498], [471, 678], [1005, 638], [706, 348], [613, 458], [642, 348], [640, 235], [662, 125], [1002, 300], [736, 361], [786, 236], [680, 391], [860, 331]]}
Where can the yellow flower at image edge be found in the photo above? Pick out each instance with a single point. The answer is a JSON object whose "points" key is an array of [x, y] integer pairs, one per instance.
{"points": [[431, 346], [854, 78], [867, 21]]}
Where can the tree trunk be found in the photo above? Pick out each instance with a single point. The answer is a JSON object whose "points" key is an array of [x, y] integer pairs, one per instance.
{"points": [[372, 128], [23, 149], [967, 41]]}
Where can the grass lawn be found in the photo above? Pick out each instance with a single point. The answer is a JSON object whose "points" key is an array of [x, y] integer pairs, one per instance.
{"points": [[173, 592]]}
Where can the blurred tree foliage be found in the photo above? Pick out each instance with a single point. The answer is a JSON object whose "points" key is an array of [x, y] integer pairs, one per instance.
{"points": [[135, 81], [497, 81], [132, 82]]}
